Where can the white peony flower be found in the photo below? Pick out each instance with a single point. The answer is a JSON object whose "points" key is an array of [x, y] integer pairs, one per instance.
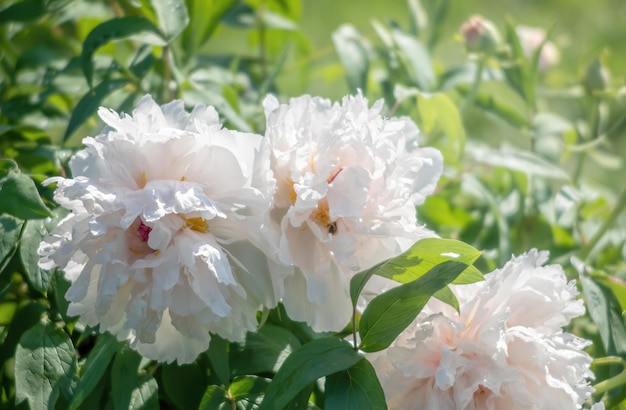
{"points": [[531, 38], [162, 202], [505, 350], [347, 183]]}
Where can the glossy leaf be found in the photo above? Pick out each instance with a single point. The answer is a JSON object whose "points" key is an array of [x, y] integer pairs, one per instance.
{"points": [[112, 30], [94, 368], [89, 104], [214, 398], [45, 366], [129, 389], [10, 229], [389, 313], [355, 388], [173, 17], [32, 235], [313, 360], [18, 194]]}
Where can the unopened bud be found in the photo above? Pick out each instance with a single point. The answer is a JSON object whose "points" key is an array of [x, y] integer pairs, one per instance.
{"points": [[531, 38], [481, 35], [597, 77]]}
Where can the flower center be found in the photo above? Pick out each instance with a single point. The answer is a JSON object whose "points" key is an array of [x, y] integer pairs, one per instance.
{"points": [[321, 216], [197, 224], [143, 231]]}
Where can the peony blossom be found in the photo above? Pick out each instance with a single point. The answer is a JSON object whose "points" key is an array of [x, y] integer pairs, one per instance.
{"points": [[531, 38], [162, 203], [347, 183], [505, 350]]}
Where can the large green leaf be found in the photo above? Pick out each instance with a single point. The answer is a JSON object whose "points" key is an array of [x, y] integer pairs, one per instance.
{"points": [[304, 366], [112, 30], [214, 398], [34, 231], [129, 389], [205, 16], [263, 351], [10, 229], [94, 368], [415, 58], [18, 194], [426, 254], [389, 313], [23, 11], [353, 55], [489, 103], [248, 391], [45, 366], [355, 388]]}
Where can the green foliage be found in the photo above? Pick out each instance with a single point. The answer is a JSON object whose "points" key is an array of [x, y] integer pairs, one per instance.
{"points": [[532, 158]]}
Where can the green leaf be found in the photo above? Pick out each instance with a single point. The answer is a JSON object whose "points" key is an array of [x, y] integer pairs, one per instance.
{"points": [[606, 312], [263, 351], [89, 104], [205, 18], [112, 30], [353, 55], [45, 365], [34, 231], [447, 296], [358, 281], [355, 388], [23, 11], [10, 229], [517, 160], [218, 356], [488, 103], [185, 384], [418, 17], [313, 360], [389, 313], [173, 17], [94, 368], [129, 390], [428, 253], [214, 398], [248, 391], [26, 317], [415, 58], [18, 194]]}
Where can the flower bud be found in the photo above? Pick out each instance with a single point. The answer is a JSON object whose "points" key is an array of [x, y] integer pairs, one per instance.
{"points": [[480, 35], [531, 38], [597, 77]]}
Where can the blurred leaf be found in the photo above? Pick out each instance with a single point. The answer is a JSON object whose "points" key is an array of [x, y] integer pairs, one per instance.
{"points": [[23, 11], [355, 388], [517, 160], [311, 361], [45, 365], [501, 110], [517, 71], [214, 398], [18, 194], [129, 389], [94, 368], [263, 351], [89, 104], [276, 21], [112, 30], [605, 311], [389, 313], [10, 229], [548, 123], [418, 17], [205, 16], [185, 384], [172, 15], [353, 55], [415, 58], [32, 235], [427, 253], [617, 285]]}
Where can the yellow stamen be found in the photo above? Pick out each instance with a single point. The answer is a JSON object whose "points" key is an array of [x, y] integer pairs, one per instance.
{"points": [[292, 192], [197, 224], [143, 180], [183, 179], [321, 216]]}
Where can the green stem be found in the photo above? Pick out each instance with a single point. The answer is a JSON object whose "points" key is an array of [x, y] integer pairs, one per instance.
{"points": [[610, 222], [609, 384], [356, 347], [478, 77]]}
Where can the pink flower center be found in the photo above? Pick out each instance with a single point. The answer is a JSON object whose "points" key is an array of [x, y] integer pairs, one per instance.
{"points": [[143, 231]]}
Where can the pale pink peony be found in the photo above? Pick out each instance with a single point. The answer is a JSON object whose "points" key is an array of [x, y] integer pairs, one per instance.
{"points": [[163, 203], [348, 181], [505, 350]]}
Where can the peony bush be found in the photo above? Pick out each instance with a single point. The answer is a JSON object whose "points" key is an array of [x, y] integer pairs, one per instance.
{"points": [[184, 228]]}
